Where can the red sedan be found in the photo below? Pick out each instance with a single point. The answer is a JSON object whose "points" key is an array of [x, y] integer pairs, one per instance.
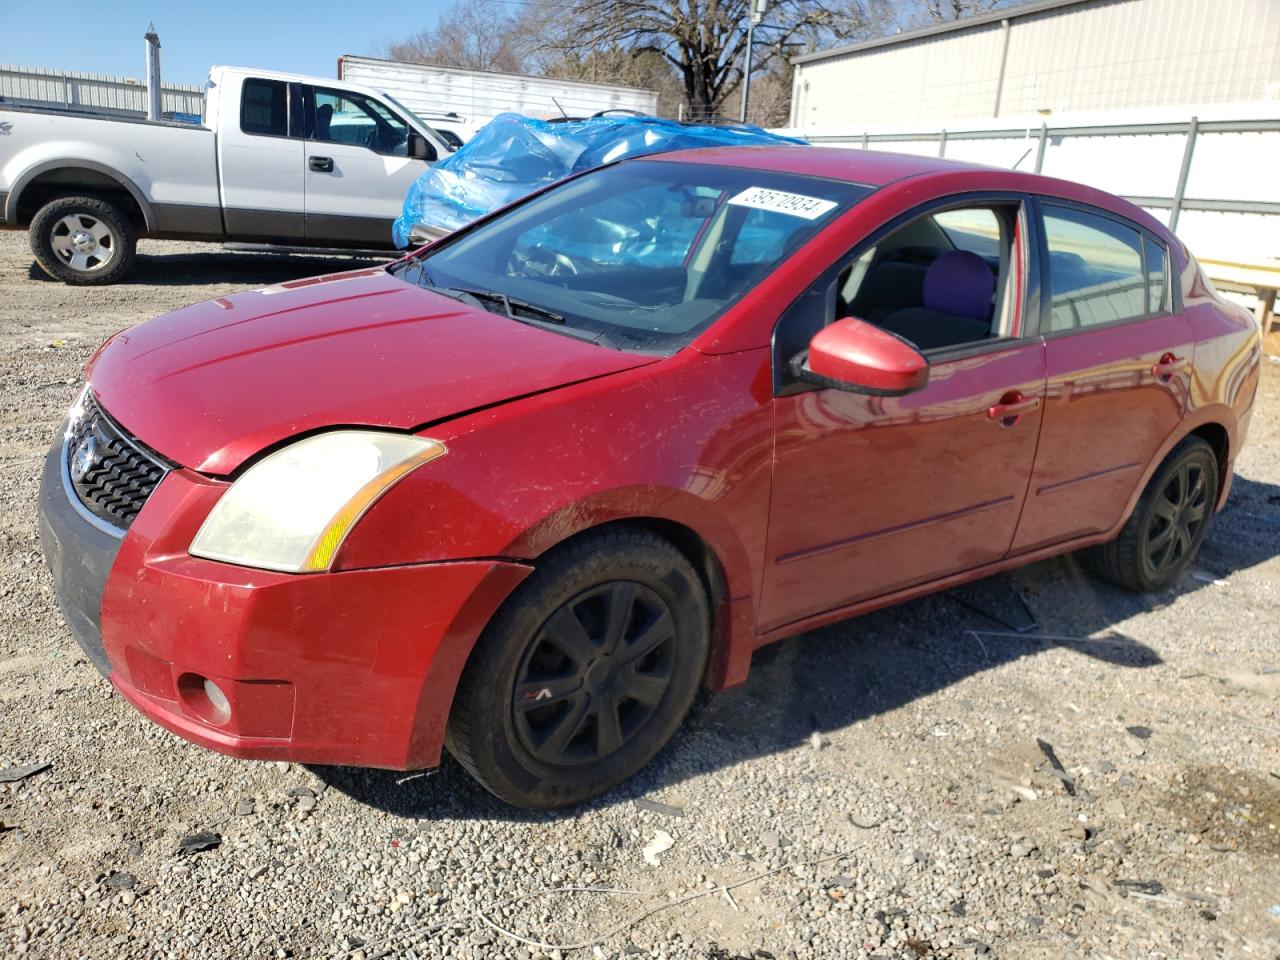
{"points": [[521, 493]]}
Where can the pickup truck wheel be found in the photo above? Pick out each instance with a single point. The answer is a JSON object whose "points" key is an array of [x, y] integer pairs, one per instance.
{"points": [[83, 240], [1162, 536], [585, 672]]}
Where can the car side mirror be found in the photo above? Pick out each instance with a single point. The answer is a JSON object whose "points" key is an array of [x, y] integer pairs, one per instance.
{"points": [[420, 148], [854, 355]]}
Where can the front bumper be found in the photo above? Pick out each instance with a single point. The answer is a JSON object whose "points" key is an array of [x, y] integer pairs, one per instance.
{"points": [[352, 668]]}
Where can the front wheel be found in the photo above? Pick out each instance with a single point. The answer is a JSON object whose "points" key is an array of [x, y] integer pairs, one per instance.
{"points": [[585, 673], [82, 240], [1164, 533]]}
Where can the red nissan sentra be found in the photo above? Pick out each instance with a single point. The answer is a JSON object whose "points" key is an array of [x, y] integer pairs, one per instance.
{"points": [[522, 493]]}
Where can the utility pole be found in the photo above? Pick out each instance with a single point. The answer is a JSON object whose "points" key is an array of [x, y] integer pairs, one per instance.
{"points": [[153, 73], [758, 10]]}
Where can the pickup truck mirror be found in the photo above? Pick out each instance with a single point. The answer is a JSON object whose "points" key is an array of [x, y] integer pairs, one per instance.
{"points": [[857, 356], [420, 148]]}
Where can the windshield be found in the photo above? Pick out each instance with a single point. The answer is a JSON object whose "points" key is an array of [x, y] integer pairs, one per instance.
{"points": [[640, 256]]}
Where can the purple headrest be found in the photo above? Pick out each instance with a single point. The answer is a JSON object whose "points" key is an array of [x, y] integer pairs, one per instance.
{"points": [[960, 283]]}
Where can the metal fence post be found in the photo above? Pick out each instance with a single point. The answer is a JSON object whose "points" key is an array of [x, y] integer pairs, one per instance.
{"points": [[1040, 147], [1188, 152], [866, 142], [942, 143]]}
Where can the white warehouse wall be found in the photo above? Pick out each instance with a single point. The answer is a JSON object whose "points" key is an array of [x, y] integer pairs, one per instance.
{"points": [[1072, 57]]}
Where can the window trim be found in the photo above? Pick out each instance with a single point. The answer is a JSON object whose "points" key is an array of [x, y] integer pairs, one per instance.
{"points": [[288, 109], [1044, 319], [1028, 312]]}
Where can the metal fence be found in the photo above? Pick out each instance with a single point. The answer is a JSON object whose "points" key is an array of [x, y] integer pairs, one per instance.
{"points": [[34, 86], [1043, 140]]}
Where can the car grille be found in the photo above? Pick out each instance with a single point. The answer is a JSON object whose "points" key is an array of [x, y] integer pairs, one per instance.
{"points": [[111, 473]]}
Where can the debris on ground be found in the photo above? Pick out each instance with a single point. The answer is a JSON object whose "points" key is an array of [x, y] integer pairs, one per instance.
{"points": [[660, 844], [14, 774], [657, 806], [198, 842]]}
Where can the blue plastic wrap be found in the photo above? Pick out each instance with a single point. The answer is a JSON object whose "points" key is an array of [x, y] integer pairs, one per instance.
{"points": [[512, 156]]}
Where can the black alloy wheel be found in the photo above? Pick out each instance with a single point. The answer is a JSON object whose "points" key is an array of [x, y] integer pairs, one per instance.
{"points": [[585, 672], [1160, 539], [1177, 514], [594, 674]]}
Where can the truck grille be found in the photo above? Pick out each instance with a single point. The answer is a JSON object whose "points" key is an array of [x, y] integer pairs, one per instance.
{"points": [[110, 472]]}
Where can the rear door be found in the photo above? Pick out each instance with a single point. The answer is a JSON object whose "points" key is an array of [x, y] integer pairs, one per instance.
{"points": [[260, 169], [876, 494], [357, 168], [1118, 353]]}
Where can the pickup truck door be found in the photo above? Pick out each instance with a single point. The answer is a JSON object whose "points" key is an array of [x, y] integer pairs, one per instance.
{"points": [[356, 167], [260, 161]]}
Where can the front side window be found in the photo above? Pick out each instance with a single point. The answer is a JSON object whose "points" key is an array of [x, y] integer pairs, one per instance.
{"points": [[342, 116], [264, 107], [645, 254], [1095, 269]]}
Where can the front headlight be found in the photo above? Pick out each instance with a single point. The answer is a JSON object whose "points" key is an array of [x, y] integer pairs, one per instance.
{"points": [[292, 510]]}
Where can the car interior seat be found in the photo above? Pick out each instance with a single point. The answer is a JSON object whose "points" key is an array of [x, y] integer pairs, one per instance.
{"points": [[324, 117], [957, 297]]}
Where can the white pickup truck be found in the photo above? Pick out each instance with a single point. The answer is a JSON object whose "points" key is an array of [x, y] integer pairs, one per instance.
{"points": [[280, 159]]}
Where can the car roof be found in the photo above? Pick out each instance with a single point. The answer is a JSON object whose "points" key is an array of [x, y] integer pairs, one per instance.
{"points": [[873, 168], [876, 168]]}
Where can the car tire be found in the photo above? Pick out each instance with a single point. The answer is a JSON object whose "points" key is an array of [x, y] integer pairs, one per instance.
{"points": [[83, 240], [585, 672], [1161, 538]]}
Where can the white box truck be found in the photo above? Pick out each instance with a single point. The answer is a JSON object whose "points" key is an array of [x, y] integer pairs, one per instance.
{"points": [[450, 98]]}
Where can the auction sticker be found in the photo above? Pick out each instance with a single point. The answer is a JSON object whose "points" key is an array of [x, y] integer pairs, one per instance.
{"points": [[779, 201]]}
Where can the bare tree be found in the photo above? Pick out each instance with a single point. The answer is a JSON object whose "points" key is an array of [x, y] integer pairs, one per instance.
{"points": [[941, 11], [473, 34], [704, 41]]}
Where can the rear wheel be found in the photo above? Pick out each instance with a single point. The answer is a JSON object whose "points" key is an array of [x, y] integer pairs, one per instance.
{"points": [[83, 240], [1164, 533], [585, 673]]}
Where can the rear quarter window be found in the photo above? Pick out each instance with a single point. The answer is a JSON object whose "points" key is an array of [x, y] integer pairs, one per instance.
{"points": [[264, 108]]}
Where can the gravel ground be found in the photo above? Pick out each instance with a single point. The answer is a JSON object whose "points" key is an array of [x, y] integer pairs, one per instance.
{"points": [[1107, 787]]}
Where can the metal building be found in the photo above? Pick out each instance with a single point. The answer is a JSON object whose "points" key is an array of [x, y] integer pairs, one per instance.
{"points": [[1047, 58]]}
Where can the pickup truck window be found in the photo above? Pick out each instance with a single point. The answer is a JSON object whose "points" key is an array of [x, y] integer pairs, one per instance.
{"points": [[346, 117], [264, 107]]}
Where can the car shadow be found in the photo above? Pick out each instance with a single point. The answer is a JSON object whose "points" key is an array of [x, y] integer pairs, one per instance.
{"points": [[194, 269], [831, 678]]}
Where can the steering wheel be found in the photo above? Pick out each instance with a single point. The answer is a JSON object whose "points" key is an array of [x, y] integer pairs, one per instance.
{"points": [[540, 261]]}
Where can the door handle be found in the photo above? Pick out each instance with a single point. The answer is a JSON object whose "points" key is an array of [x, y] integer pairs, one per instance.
{"points": [[321, 164], [1168, 365], [1011, 407]]}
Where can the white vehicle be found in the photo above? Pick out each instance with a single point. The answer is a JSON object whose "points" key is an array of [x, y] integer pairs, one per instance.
{"points": [[479, 95], [280, 160]]}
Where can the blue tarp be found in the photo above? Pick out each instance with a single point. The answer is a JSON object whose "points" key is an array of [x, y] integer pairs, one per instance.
{"points": [[512, 156]]}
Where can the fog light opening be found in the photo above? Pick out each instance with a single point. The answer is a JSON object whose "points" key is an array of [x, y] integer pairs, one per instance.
{"points": [[204, 699]]}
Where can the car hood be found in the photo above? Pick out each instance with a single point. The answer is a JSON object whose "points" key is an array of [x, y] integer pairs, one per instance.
{"points": [[213, 384]]}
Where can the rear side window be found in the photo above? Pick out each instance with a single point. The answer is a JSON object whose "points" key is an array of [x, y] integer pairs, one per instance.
{"points": [[264, 107], [1095, 269]]}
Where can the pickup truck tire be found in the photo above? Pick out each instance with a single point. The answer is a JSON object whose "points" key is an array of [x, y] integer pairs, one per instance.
{"points": [[614, 624], [83, 240]]}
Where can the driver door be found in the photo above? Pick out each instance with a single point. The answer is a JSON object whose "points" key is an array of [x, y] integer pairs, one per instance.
{"points": [[356, 168], [875, 494]]}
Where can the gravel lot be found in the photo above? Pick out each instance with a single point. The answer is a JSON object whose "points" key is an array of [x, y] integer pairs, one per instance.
{"points": [[1106, 787]]}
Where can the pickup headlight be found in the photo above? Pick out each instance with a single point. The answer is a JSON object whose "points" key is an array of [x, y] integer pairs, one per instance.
{"points": [[292, 510]]}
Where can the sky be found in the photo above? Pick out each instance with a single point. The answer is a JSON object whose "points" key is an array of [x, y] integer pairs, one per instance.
{"points": [[296, 36]]}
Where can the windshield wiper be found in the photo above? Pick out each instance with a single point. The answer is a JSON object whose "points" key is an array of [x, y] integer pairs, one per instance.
{"points": [[509, 304], [538, 316]]}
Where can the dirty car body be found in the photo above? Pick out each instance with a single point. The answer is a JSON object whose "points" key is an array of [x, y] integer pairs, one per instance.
{"points": [[818, 381]]}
